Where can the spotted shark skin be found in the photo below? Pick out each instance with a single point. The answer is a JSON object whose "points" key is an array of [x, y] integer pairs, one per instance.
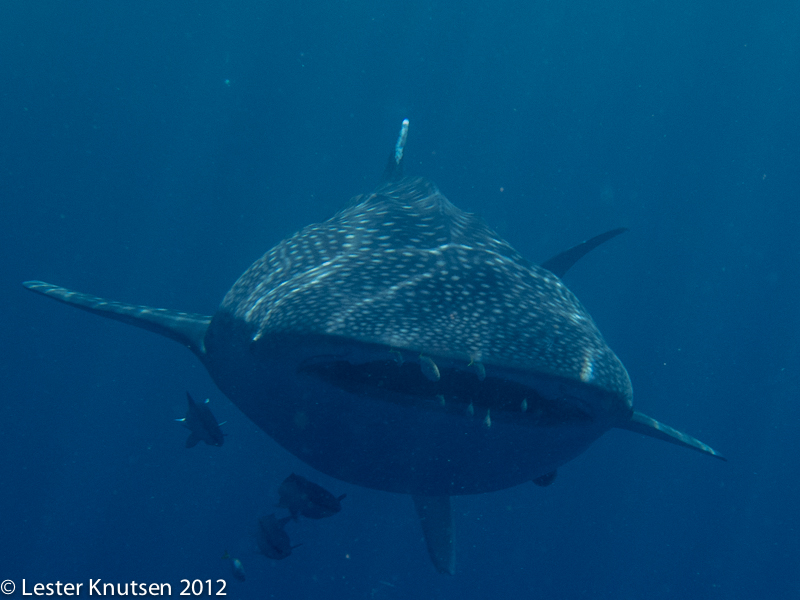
{"points": [[406, 269], [404, 346]]}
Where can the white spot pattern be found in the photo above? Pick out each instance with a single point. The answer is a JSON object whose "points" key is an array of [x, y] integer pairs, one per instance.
{"points": [[405, 268]]}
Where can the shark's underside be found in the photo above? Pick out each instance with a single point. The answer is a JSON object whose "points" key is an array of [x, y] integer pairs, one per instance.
{"points": [[403, 346]]}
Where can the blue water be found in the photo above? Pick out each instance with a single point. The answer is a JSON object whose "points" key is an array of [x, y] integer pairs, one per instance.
{"points": [[149, 152]]}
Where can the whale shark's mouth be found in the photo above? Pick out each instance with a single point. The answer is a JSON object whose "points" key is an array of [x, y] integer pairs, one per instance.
{"points": [[457, 391]]}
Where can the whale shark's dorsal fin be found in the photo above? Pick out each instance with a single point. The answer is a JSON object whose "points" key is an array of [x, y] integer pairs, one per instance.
{"points": [[184, 328], [561, 263], [437, 526], [641, 423]]}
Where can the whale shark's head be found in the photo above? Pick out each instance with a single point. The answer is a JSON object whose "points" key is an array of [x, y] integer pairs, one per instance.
{"points": [[402, 304], [403, 269]]}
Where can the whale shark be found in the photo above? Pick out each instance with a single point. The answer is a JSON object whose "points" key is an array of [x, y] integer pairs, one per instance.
{"points": [[402, 345]]}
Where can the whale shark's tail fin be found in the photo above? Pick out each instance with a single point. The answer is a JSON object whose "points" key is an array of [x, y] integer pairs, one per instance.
{"points": [[184, 328], [641, 423]]}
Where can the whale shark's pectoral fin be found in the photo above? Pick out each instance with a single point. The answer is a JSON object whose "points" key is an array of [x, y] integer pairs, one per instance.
{"points": [[184, 328], [437, 526], [561, 263], [645, 425]]}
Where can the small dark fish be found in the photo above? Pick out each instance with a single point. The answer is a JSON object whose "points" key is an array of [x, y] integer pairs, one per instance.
{"points": [[273, 541], [202, 424], [237, 570], [546, 479], [301, 497]]}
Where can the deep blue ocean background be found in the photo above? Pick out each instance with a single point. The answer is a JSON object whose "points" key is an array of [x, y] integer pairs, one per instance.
{"points": [[150, 151]]}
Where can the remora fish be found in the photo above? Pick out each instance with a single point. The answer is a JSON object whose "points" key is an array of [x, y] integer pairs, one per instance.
{"points": [[305, 344], [300, 496], [202, 424], [273, 541]]}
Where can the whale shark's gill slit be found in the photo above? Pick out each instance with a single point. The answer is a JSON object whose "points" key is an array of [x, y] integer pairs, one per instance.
{"points": [[454, 392]]}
